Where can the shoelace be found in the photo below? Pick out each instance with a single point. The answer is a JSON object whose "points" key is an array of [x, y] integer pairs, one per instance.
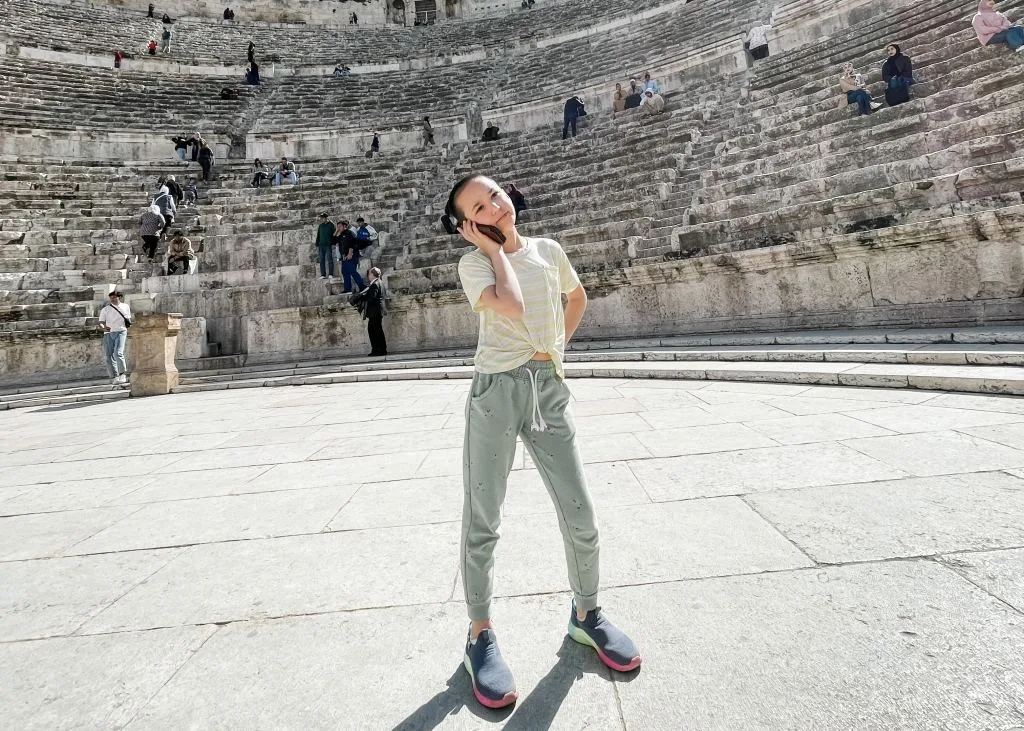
{"points": [[538, 418]]}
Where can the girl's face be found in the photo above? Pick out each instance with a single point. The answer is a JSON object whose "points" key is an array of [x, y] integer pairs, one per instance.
{"points": [[989, 5], [891, 50], [848, 69], [483, 201]]}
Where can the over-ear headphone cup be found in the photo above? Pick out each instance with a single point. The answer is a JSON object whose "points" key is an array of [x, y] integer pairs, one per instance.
{"points": [[450, 224]]}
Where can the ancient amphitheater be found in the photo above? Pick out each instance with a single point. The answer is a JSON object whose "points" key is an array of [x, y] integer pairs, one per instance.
{"points": [[752, 256]]}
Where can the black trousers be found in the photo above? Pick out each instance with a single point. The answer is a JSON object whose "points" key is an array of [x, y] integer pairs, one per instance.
{"points": [[149, 245], [375, 329], [205, 165], [568, 122]]}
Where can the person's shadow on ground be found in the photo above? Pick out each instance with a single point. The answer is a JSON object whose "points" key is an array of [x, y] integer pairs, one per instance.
{"points": [[536, 711]]}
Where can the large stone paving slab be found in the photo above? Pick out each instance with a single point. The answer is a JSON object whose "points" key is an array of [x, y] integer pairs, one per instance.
{"points": [[90, 682], [1001, 573], [259, 510], [222, 582], [902, 645], [385, 669], [913, 517]]}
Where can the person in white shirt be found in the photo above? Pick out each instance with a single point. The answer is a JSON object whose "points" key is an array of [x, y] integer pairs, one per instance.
{"points": [[652, 103], [757, 41], [515, 284], [115, 319], [650, 83]]}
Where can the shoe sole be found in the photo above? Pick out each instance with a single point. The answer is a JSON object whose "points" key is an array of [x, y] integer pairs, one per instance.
{"points": [[584, 639], [508, 700]]}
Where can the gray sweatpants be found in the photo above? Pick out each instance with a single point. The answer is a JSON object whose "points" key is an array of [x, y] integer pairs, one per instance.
{"points": [[530, 402]]}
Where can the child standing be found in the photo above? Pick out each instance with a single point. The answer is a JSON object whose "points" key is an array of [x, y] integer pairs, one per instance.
{"points": [[516, 284]]}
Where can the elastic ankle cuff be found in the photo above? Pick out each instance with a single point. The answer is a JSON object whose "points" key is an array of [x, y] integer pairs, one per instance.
{"points": [[586, 603]]}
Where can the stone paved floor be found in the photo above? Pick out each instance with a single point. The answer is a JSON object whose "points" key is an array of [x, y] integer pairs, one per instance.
{"points": [[786, 557]]}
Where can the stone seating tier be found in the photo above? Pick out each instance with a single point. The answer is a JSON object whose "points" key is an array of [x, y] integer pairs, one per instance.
{"points": [[109, 99], [101, 29]]}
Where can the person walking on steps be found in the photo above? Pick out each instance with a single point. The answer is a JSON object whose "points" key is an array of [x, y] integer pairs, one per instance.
{"points": [[571, 112], [115, 319], [372, 306], [516, 284]]}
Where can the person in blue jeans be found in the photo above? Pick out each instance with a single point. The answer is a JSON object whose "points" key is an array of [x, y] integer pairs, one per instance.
{"points": [[856, 93], [325, 246], [993, 27], [348, 253], [115, 319]]}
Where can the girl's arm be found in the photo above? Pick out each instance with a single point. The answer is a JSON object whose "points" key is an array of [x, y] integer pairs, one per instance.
{"points": [[575, 306], [504, 296]]}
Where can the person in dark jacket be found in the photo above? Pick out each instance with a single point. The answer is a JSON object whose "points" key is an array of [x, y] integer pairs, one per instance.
{"points": [[174, 189], [371, 304], [897, 73], [206, 160], [572, 111], [518, 199], [348, 252], [325, 247], [251, 53]]}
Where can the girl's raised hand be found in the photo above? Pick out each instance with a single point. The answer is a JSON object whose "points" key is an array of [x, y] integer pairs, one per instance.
{"points": [[472, 233]]}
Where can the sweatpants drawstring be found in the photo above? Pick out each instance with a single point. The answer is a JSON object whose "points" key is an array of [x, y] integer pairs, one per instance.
{"points": [[538, 418]]}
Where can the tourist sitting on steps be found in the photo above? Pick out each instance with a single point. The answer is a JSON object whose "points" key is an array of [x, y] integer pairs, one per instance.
{"points": [[897, 73], [151, 48], [491, 134], [285, 171], [618, 99], [229, 94], [259, 173], [993, 27], [150, 225], [633, 95], [179, 254], [167, 19], [515, 284], [114, 320], [853, 86], [652, 103], [324, 242], [572, 111], [371, 303], [341, 71], [191, 194], [650, 83]]}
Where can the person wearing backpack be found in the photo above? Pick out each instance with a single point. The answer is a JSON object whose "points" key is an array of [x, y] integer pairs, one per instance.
{"points": [[372, 306], [367, 237], [115, 319]]}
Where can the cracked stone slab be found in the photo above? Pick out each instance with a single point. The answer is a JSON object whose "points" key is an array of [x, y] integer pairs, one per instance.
{"points": [[898, 518]]}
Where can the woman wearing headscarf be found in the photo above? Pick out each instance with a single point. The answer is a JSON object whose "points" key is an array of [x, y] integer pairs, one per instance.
{"points": [[853, 86], [994, 27], [150, 226], [897, 74]]}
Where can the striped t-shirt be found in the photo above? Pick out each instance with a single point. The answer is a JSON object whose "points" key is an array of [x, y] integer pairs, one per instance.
{"points": [[544, 275]]}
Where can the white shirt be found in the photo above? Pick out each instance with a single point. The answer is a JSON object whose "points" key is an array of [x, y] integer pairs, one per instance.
{"points": [[758, 36], [110, 318], [544, 275]]}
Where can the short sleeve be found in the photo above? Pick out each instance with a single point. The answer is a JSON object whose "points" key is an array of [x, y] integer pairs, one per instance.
{"points": [[568, 279], [476, 275]]}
